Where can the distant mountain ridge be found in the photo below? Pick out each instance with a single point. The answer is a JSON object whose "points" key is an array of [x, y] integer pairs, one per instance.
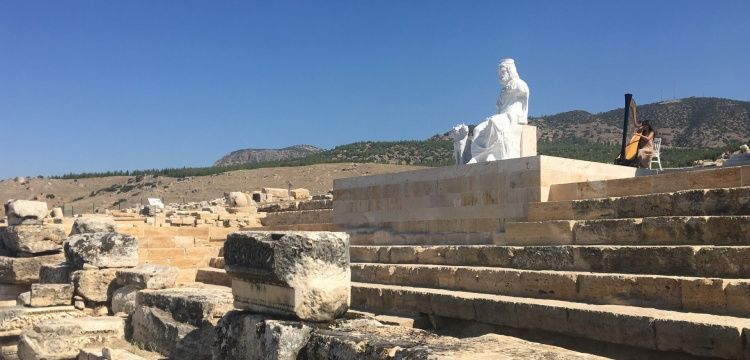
{"points": [[695, 122], [251, 156]]}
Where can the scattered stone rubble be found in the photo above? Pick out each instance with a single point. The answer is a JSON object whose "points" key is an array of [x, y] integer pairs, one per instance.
{"points": [[25, 246]]}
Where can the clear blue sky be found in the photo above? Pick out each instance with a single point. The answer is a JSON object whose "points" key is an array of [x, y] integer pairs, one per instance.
{"points": [[109, 85]]}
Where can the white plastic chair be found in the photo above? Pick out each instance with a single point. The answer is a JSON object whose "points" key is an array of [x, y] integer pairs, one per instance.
{"points": [[657, 153]]}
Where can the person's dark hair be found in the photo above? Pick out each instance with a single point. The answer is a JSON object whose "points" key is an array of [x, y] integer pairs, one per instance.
{"points": [[647, 125]]}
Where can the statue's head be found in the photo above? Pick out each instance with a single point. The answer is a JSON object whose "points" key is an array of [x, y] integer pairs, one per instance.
{"points": [[507, 71]]}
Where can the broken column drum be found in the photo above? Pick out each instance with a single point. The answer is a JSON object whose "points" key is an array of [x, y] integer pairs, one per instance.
{"points": [[298, 273]]}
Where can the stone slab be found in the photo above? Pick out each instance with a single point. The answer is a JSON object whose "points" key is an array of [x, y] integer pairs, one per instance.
{"points": [[303, 274], [19, 318], [93, 224], [43, 295], [156, 330], [102, 250], [32, 239], [96, 286], [148, 276], [25, 270], [63, 339], [193, 304], [55, 273]]}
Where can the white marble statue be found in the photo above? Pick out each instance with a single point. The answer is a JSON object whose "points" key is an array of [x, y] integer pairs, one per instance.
{"points": [[460, 136], [499, 136]]}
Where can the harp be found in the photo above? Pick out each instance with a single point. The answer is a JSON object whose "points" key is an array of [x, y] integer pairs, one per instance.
{"points": [[629, 150]]}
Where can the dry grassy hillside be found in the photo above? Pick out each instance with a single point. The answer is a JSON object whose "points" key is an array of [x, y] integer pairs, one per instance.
{"points": [[112, 192]]}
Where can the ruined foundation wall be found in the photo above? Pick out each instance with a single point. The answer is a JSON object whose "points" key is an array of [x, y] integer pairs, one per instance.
{"points": [[188, 248]]}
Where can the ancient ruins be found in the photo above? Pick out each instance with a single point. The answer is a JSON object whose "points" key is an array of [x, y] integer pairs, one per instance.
{"points": [[528, 256]]}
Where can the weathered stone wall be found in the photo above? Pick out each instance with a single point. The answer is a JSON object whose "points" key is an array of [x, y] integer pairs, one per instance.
{"points": [[323, 216], [469, 198], [188, 248]]}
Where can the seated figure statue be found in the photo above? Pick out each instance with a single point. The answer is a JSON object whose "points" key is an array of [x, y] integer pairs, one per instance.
{"points": [[499, 136]]}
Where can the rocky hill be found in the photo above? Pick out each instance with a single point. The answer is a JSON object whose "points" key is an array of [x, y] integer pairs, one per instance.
{"points": [[695, 122], [251, 156]]}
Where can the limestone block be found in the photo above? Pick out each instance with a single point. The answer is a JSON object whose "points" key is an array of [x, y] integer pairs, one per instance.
{"points": [[149, 276], [95, 286], [726, 262], [123, 299], [249, 336], [93, 224], [25, 212], [300, 194], [55, 273], [32, 239], [24, 299], [542, 316], [636, 290], [194, 304], [102, 250], [738, 297], [51, 295], [559, 210], [56, 213], [63, 339], [303, 274], [647, 205], [276, 192], [238, 199], [702, 339], [703, 295], [611, 231], [558, 232], [243, 211], [78, 302], [603, 208], [157, 330], [20, 318], [611, 327], [25, 270]]}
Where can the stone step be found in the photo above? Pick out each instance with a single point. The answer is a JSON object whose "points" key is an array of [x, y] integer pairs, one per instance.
{"points": [[213, 276], [700, 202], [662, 230], [654, 329], [216, 262], [404, 238], [706, 295], [730, 262], [724, 177]]}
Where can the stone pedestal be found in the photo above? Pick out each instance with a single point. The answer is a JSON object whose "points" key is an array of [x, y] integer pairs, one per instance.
{"points": [[302, 274]]}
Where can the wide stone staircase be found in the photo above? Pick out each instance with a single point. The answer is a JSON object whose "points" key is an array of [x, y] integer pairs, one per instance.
{"points": [[664, 273]]}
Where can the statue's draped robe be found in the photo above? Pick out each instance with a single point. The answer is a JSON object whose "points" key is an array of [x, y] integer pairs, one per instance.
{"points": [[499, 136]]}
